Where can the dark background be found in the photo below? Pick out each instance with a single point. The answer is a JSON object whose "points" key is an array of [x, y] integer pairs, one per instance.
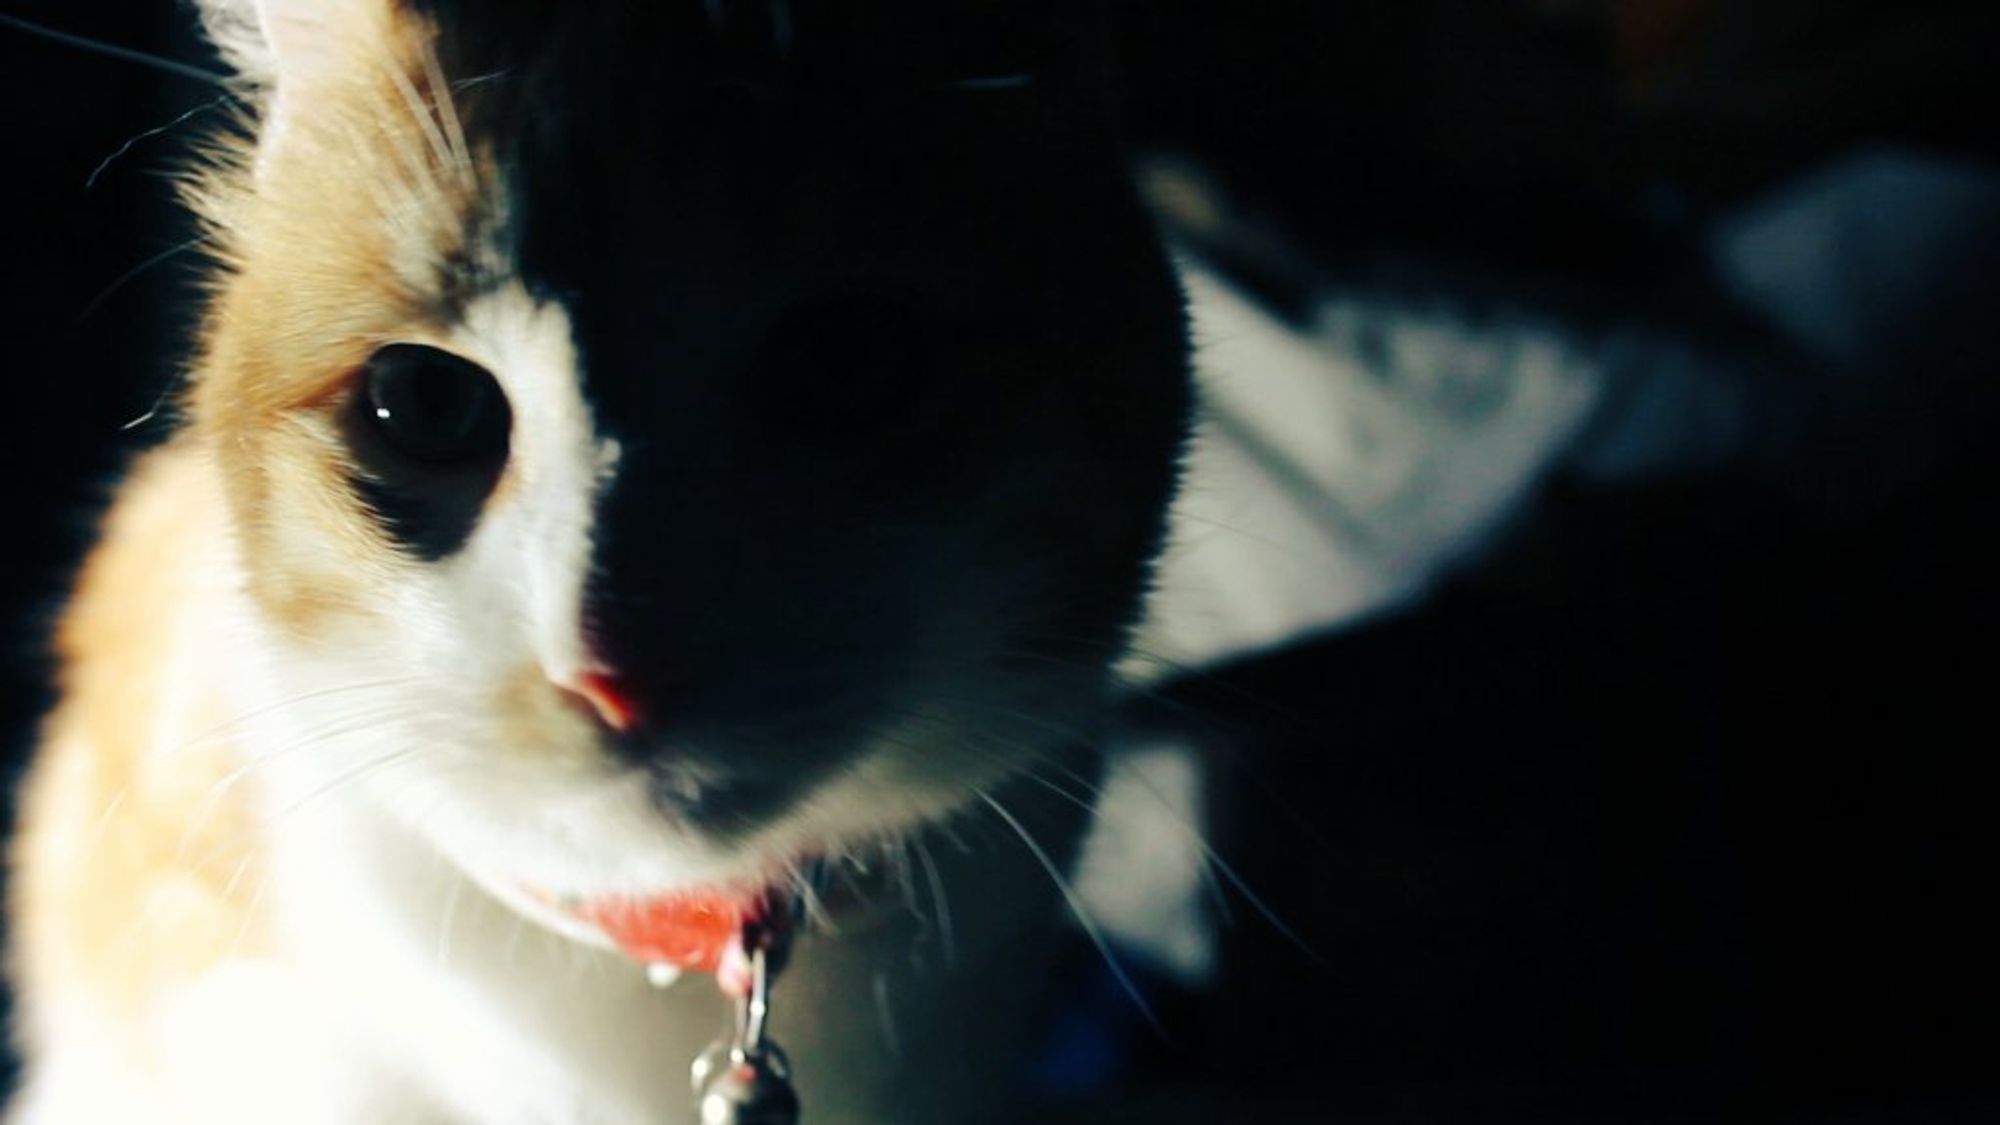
{"points": [[1674, 809]]}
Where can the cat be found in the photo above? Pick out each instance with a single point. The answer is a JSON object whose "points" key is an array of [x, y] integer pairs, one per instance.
{"points": [[633, 451]]}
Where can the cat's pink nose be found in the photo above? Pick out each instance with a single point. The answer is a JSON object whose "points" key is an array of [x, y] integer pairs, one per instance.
{"points": [[606, 694]]}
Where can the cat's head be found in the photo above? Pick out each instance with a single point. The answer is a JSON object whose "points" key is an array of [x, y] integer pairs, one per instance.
{"points": [[681, 435]]}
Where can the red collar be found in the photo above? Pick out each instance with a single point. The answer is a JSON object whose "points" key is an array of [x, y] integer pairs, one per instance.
{"points": [[690, 930]]}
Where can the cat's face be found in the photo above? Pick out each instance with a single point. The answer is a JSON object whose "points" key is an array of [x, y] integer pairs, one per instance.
{"points": [[709, 441]]}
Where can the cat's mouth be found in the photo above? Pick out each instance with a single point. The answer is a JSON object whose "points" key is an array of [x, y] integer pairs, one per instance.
{"points": [[708, 929], [702, 929]]}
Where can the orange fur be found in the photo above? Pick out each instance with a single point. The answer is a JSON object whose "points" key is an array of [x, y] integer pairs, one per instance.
{"points": [[328, 242], [239, 567], [136, 862], [135, 867]]}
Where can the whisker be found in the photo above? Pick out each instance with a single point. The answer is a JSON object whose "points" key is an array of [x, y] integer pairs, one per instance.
{"points": [[292, 701], [1179, 670], [417, 181], [236, 876], [90, 181], [447, 111], [941, 908], [816, 914], [347, 777], [133, 274], [1213, 862], [351, 722], [250, 911], [1060, 731], [112, 50], [212, 799], [1202, 722], [161, 403], [465, 84], [886, 1015], [104, 818], [425, 115], [1082, 915], [1211, 859]]}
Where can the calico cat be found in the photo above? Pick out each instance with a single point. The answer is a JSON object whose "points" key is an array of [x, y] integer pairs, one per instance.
{"points": [[633, 451]]}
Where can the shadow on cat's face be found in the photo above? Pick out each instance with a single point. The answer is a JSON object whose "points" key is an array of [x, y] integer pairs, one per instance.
{"points": [[822, 402]]}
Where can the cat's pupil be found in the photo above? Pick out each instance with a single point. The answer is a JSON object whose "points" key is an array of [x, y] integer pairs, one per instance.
{"points": [[434, 407]]}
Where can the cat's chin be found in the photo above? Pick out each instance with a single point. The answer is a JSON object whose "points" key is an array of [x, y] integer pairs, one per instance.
{"points": [[568, 841], [574, 839], [680, 923]]}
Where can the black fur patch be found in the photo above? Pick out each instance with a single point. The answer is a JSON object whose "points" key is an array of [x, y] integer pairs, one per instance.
{"points": [[895, 361]]}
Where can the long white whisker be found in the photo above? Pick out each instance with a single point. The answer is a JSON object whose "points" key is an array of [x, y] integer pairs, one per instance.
{"points": [[815, 908], [1210, 857], [1089, 925], [346, 777], [126, 278], [940, 906], [417, 183], [114, 51], [426, 117], [887, 1015], [90, 181], [353, 774], [203, 811], [250, 909], [227, 725], [236, 876], [447, 110]]}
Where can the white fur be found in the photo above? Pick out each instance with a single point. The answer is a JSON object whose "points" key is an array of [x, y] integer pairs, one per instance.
{"points": [[400, 991], [394, 800], [281, 48], [416, 754]]}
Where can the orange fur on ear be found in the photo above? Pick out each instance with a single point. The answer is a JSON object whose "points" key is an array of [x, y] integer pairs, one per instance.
{"points": [[331, 239]]}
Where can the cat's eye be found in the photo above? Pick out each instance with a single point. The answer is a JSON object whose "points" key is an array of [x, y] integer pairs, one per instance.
{"points": [[434, 407], [429, 433]]}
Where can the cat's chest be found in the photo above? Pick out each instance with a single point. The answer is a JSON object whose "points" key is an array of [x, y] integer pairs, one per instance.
{"points": [[464, 1011]]}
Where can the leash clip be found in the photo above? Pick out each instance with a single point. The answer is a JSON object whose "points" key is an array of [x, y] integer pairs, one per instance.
{"points": [[746, 1079]]}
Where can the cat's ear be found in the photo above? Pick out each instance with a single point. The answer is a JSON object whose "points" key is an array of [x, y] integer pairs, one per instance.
{"points": [[276, 43], [283, 49]]}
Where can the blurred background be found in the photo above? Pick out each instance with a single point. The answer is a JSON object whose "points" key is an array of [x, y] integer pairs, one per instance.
{"points": [[1579, 627]]}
